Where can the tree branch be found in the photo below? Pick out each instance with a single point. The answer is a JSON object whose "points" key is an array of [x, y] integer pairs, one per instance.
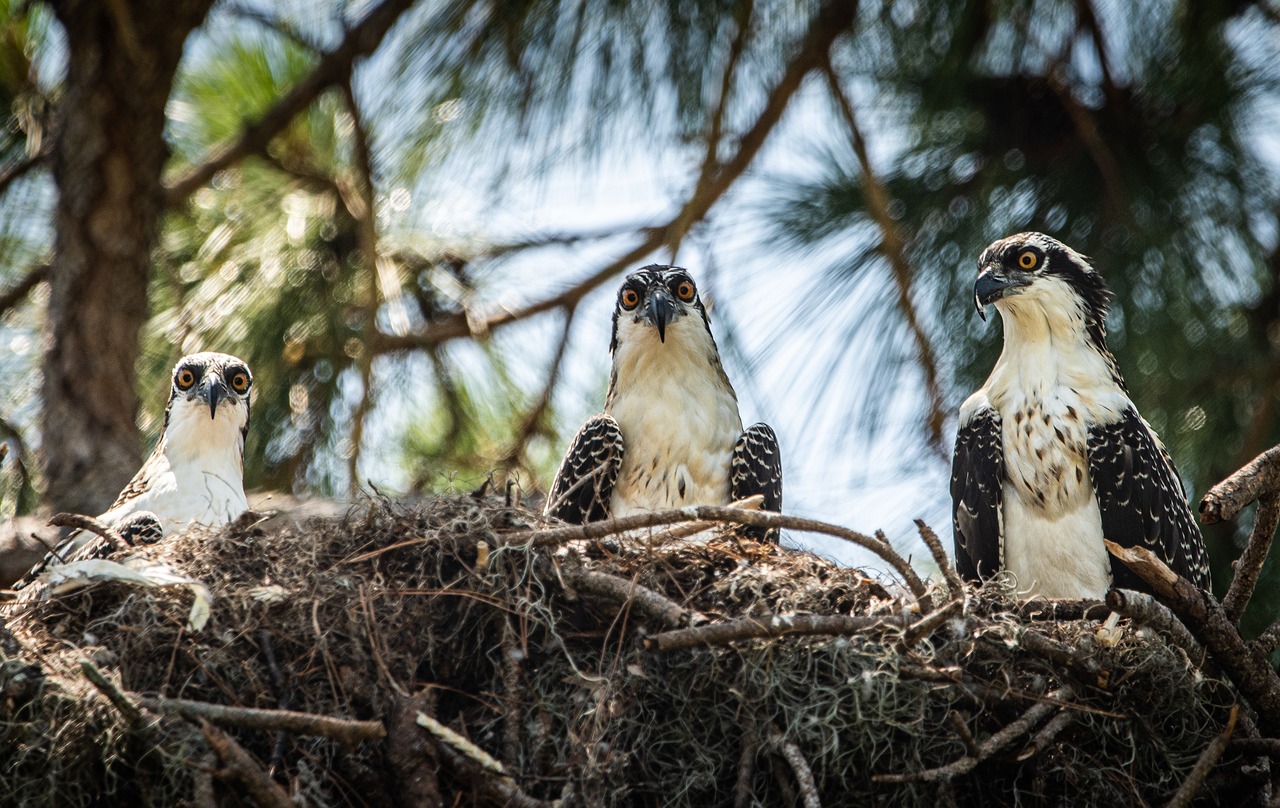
{"points": [[1226, 499], [346, 730], [766, 627], [1195, 780], [333, 67], [799, 767], [649, 603], [1249, 565], [893, 246], [834, 18], [550, 537], [240, 767], [17, 293]]}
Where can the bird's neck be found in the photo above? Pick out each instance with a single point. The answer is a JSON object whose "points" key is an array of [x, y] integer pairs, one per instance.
{"points": [[683, 371], [1050, 345], [193, 441]]}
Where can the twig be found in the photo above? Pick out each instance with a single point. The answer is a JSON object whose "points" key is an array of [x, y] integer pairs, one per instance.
{"points": [[460, 744], [16, 171], [746, 771], [671, 534], [81, 522], [996, 743], [239, 766], [1061, 655], [132, 715], [1226, 499], [929, 623], [532, 421], [499, 790], [1047, 733], [958, 724], [550, 537], [893, 246], [18, 292], [1191, 786], [1249, 565], [765, 626], [1142, 608], [954, 584], [1243, 662], [833, 18], [643, 600], [333, 67], [1257, 746], [799, 767], [1269, 640], [346, 730]]}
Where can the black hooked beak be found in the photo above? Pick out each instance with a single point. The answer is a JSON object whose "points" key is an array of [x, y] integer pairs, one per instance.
{"points": [[213, 391], [992, 285], [662, 308]]}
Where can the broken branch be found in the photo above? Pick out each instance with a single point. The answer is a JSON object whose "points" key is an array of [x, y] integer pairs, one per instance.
{"points": [[346, 730]]}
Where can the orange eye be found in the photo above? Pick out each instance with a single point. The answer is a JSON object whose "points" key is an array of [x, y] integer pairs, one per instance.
{"points": [[240, 382], [185, 378], [685, 291], [630, 299], [1028, 259]]}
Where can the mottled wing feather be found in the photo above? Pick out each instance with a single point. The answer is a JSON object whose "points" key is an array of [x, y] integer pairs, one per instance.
{"points": [[584, 483], [142, 480], [142, 527], [977, 474], [756, 468], [1142, 500]]}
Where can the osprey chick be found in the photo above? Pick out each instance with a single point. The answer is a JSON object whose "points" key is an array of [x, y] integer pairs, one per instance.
{"points": [[195, 474], [1051, 455], [670, 434]]}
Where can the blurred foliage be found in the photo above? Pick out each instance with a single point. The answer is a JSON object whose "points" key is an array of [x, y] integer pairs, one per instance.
{"points": [[1137, 132]]}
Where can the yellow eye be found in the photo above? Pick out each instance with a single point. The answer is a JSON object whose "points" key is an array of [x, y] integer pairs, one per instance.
{"points": [[240, 382], [630, 299], [1028, 259], [185, 378], [685, 291]]}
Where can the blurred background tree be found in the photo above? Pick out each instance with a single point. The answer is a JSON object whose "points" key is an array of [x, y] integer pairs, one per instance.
{"points": [[410, 218]]}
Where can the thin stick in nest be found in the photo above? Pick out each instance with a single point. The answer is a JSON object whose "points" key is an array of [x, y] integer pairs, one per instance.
{"points": [[643, 600], [81, 522], [240, 767], [799, 767], [765, 626], [346, 730], [1195, 780]]}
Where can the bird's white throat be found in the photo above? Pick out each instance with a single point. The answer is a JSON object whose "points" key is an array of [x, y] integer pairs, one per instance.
{"points": [[678, 415]]}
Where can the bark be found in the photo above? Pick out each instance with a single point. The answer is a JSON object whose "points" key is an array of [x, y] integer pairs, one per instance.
{"points": [[107, 162]]}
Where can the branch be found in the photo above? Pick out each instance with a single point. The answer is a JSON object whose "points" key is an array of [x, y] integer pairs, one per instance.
{"points": [[657, 607], [1058, 610], [18, 292], [833, 18], [1146, 610], [239, 766], [132, 715], [550, 537], [1249, 565], [499, 790], [333, 67], [533, 419], [799, 767], [348, 731], [766, 627], [893, 246], [1226, 499], [16, 171], [954, 583], [1243, 662], [81, 522], [996, 743], [1191, 786]]}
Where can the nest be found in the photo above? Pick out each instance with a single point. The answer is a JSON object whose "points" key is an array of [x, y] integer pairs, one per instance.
{"points": [[457, 667]]}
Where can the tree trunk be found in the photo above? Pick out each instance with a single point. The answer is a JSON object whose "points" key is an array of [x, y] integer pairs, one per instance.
{"points": [[110, 151]]}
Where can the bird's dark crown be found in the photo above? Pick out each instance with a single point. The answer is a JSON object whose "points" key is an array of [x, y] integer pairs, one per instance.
{"points": [[1052, 258], [642, 282]]}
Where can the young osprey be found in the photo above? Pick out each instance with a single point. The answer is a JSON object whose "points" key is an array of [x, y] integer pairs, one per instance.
{"points": [[670, 434], [1051, 455], [195, 474]]}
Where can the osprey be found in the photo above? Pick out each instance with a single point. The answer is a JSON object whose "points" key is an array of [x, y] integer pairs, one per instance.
{"points": [[670, 434], [1052, 456], [195, 474]]}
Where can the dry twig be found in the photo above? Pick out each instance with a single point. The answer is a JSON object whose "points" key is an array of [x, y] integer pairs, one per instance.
{"points": [[642, 600], [1249, 565], [799, 767], [1259, 477], [954, 583], [346, 730], [765, 626], [1191, 786], [1142, 608], [240, 767], [81, 522]]}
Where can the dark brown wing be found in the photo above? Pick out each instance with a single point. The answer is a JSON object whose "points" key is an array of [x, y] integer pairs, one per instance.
{"points": [[584, 483], [977, 474], [756, 468]]}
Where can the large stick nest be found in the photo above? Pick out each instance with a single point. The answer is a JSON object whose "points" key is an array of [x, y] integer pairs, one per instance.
{"points": [[537, 656]]}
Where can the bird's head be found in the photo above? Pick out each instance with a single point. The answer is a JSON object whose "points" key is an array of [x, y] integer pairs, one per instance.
{"points": [[661, 301], [210, 391], [1035, 275]]}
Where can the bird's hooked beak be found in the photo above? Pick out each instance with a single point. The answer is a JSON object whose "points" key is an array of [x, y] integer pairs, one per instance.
{"points": [[661, 309], [993, 284], [213, 390]]}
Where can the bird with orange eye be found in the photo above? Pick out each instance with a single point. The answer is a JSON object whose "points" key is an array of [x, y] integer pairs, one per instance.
{"points": [[670, 434]]}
